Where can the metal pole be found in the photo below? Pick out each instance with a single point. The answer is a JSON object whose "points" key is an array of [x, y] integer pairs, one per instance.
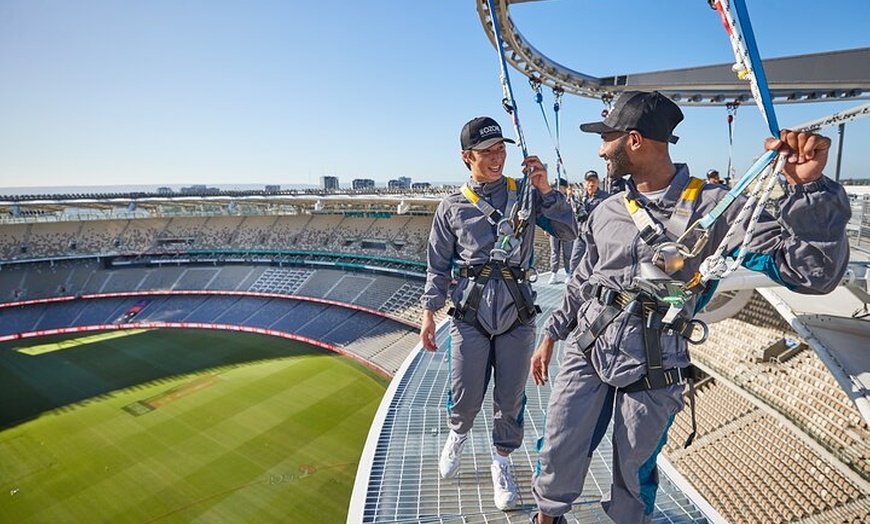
{"points": [[840, 130]]}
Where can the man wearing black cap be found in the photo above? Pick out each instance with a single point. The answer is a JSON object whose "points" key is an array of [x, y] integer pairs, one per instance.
{"points": [[589, 199], [475, 240], [714, 178], [625, 355]]}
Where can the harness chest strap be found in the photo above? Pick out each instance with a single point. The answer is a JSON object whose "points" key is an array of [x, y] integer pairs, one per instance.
{"points": [[493, 215], [468, 305], [650, 230]]}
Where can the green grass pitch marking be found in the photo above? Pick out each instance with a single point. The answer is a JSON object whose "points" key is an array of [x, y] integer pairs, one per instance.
{"points": [[276, 439]]}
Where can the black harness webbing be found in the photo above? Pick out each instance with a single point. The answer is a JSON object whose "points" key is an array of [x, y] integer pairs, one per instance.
{"points": [[468, 306], [646, 307]]}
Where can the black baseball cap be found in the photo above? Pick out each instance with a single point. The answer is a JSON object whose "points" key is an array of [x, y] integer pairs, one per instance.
{"points": [[653, 115], [481, 133], [590, 174]]}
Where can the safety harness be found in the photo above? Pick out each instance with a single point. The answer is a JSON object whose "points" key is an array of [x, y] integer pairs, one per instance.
{"points": [[657, 301], [498, 266]]}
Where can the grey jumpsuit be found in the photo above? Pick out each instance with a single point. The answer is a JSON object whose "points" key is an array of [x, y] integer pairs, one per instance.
{"points": [[806, 250], [462, 237]]}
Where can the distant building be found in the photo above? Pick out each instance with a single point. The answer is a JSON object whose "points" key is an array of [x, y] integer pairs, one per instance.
{"points": [[200, 189], [363, 183], [403, 182], [272, 188], [329, 183], [421, 185], [164, 190]]}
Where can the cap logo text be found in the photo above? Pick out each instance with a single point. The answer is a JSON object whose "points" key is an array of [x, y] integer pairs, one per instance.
{"points": [[490, 130]]}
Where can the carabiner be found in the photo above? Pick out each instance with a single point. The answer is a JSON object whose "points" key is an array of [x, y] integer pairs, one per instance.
{"points": [[705, 331]]}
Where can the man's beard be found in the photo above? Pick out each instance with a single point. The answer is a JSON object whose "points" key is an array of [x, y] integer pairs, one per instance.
{"points": [[617, 162]]}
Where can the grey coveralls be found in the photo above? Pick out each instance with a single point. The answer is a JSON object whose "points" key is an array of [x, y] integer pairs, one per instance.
{"points": [[806, 250], [560, 254], [462, 237], [584, 206]]}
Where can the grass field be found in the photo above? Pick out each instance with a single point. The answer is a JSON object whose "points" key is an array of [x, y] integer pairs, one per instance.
{"points": [[180, 426]]}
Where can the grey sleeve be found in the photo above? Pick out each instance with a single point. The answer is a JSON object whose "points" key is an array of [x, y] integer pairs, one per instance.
{"points": [[806, 249], [440, 255], [578, 290], [556, 216]]}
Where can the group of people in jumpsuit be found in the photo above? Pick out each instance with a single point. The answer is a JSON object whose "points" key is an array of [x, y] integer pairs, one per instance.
{"points": [[567, 253], [804, 249]]}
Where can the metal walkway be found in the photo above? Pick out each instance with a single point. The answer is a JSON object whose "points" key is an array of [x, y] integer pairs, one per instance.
{"points": [[398, 480]]}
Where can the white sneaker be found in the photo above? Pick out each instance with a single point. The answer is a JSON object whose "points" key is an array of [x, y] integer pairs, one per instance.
{"points": [[505, 491], [553, 279], [451, 454]]}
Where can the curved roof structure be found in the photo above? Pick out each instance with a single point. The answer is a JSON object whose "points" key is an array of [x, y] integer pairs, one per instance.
{"points": [[805, 78]]}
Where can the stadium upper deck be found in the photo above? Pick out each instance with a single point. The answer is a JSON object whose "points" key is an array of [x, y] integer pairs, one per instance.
{"points": [[789, 416]]}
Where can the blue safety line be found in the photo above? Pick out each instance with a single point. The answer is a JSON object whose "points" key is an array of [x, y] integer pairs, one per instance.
{"points": [[758, 167], [506, 79], [757, 67]]}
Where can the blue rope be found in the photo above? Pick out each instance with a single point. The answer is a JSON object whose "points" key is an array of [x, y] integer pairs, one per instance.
{"points": [[757, 67], [525, 201], [767, 111], [539, 99], [506, 80]]}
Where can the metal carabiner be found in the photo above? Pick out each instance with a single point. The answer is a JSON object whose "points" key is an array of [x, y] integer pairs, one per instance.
{"points": [[705, 332], [669, 257]]}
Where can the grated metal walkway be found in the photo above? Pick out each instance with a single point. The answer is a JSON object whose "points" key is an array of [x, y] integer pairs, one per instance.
{"points": [[398, 480]]}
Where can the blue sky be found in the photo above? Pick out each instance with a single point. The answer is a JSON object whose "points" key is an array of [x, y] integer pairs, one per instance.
{"points": [[172, 92]]}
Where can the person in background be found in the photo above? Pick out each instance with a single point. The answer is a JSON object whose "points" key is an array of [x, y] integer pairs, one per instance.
{"points": [[625, 357], [492, 329], [560, 250], [588, 199], [714, 178]]}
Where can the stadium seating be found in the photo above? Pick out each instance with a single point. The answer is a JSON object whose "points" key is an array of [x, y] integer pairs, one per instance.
{"points": [[775, 445]]}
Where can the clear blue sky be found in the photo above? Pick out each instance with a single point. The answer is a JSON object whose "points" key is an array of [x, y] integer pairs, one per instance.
{"points": [[171, 92]]}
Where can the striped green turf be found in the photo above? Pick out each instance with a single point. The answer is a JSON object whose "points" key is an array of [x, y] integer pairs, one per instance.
{"points": [[237, 428]]}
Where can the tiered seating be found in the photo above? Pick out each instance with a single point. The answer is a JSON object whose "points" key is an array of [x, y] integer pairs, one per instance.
{"points": [[801, 387], [734, 342], [141, 235], [123, 280], [195, 278], [377, 295], [405, 302], [11, 241], [284, 233], [807, 393], [320, 283], [59, 238], [162, 279], [286, 281], [98, 236], [255, 231], [296, 315], [318, 234], [233, 277], [219, 232], [717, 407], [391, 356], [349, 287], [753, 468]]}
